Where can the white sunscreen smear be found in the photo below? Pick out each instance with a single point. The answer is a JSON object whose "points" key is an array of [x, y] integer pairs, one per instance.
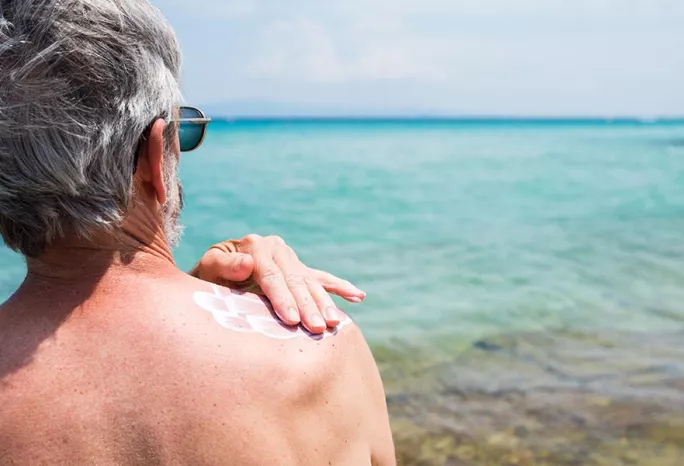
{"points": [[243, 313]]}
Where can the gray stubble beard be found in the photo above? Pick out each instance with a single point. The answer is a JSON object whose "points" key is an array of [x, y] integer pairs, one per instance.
{"points": [[171, 210]]}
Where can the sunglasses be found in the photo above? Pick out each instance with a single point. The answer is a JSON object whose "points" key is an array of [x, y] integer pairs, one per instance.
{"points": [[192, 129]]}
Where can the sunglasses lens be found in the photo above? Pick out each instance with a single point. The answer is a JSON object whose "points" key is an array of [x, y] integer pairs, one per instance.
{"points": [[190, 134]]}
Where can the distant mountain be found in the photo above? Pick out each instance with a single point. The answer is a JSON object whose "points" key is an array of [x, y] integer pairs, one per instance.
{"points": [[270, 109]]}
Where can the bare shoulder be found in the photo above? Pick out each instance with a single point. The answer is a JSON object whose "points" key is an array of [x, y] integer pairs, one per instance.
{"points": [[242, 371], [270, 348]]}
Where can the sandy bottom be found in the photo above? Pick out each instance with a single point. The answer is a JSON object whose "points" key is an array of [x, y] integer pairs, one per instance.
{"points": [[540, 399]]}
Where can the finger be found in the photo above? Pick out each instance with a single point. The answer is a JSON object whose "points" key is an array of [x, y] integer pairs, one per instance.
{"points": [[235, 267], [308, 310], [325, 304], [286, 260], [268, 276], [338, 286]]}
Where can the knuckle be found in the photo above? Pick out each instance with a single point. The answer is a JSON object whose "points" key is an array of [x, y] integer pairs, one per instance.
{"points": [[295, 280], [277, 240], [308, 305], [271, 275], [311, 281], [252, 238], [326, 301], [310, 310]]}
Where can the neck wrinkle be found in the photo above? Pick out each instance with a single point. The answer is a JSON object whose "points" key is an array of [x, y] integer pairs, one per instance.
{"points": [[143, 227], [137, 248], [145, 237]]}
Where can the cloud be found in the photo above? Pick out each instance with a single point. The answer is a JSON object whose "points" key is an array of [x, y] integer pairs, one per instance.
{"points": [[430, 40], [493, 56], [298, 49], [389, 61], [305, 50]]}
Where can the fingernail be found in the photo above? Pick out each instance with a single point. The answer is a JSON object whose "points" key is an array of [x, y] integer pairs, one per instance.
{"points": [[292, 315], [317, 321], [332, 314], [356, 300]]}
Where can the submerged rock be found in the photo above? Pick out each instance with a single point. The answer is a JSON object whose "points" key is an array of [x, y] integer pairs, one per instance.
{"points": [[544, 399]]}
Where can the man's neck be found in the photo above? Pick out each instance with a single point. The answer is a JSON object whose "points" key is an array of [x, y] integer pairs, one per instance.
{"points": [[74, 262]]}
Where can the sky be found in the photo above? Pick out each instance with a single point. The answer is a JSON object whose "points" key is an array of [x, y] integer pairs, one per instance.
{"points": [[442, 57]]}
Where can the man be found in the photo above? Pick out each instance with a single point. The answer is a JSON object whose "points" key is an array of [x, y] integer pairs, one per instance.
{"points": [[108, 353]]}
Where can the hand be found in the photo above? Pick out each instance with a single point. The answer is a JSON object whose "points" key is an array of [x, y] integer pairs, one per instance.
{"points": [[270, 267]]}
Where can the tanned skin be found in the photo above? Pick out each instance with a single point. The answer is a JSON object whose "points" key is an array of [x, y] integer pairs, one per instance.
{"points": [[106, 358]]}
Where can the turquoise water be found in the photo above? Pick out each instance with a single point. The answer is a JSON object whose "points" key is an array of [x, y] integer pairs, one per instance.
{"points": [[524, 279], [456, 230]]}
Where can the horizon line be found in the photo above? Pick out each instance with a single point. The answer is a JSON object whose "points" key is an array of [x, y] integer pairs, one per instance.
{"points": [[454, 118]]}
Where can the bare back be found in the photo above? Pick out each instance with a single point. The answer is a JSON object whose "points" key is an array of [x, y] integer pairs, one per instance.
{"points": [[174, 371]]}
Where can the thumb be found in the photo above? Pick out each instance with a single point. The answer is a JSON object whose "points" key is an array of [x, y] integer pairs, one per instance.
{"points": [[235, 267], [219, 266]]}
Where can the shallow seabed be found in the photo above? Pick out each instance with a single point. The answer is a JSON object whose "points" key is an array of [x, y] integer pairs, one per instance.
{"points": [[559, 398]]}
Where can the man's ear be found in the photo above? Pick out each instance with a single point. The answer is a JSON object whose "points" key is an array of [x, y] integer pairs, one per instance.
{"points": [[152, 158]]}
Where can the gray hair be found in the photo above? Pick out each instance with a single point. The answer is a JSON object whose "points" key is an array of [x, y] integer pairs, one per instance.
{"points": [[80, 80]]}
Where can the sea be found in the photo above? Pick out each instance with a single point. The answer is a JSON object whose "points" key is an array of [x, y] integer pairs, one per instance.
{"points": [[525, 278]]}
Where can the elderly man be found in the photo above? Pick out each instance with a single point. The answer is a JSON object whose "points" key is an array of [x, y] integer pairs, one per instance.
{"points": [[108, 353]]}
